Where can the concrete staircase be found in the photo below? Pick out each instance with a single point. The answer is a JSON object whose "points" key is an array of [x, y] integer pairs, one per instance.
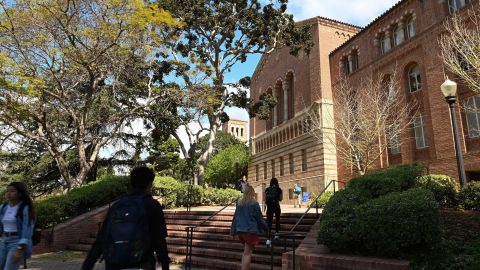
{"points": [[213, 247]]}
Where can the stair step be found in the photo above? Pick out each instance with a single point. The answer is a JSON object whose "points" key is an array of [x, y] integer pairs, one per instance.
{"points": [[219, 263], [225, 254], [79, 247]]}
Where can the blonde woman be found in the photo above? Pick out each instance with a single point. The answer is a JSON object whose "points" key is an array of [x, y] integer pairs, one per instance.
{"points": [[247, 224]]}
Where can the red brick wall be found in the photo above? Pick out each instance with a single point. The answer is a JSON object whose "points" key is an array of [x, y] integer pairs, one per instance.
{"points": [[422, 49]]}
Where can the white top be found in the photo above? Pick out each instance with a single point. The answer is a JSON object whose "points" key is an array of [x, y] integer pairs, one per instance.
{"points": [[9, 219]]}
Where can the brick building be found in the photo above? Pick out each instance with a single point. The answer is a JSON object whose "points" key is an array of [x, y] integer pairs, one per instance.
{"points": [[404, 37], [301, 86]]}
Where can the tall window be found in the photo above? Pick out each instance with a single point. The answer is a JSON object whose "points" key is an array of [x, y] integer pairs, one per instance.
{"points": [[454, 5], [354, 60], [273, 167], [304, 160], [257, 171], [420, 129], [472, 113], [398, 35], [264, 170], [291, 164], [410, 28], [414, 81], [241, 132], [395, 144], [282, 172], [346, 66], [385, 43]]}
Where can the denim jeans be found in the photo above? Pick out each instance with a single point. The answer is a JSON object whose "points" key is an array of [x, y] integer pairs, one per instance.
{"points": [[8, 247]]}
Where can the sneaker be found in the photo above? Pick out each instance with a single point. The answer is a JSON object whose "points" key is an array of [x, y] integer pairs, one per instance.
{"points": [[276, 237], [268, 243]]}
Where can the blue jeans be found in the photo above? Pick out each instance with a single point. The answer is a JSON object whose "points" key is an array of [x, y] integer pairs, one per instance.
{"points": [[8, 247]]}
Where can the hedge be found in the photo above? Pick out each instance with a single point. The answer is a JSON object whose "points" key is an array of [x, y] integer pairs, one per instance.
{"points": [[443, 187], [469, 196], [55, 209], [399, 223], [394, 179], [321, 201]]}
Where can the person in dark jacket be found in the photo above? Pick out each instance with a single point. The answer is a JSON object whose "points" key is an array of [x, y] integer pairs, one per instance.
{"points": [[141, 180], [273, 195]]}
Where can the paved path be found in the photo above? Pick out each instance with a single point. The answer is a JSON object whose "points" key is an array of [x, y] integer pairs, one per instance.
{"points": [[69, 260]]}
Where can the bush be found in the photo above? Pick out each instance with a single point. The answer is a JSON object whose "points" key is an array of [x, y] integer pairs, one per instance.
{"points": [[394, 179], [398, 223], [443, 187], [469, 196], [55, 209], [215, 196], [337, 224], [322, 201]]}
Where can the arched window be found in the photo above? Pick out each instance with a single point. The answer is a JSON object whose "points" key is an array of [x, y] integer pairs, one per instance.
{"points": [[410, 28], [346, 68], [454, 5], [291, 95], [414, 80], [354, 60], [398, 35], [385, 43]]}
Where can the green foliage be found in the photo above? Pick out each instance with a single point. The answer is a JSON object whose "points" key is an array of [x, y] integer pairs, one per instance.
{"points": [[174, 193], [391, 225], [469, 196], [394, 179], [229, 165], [223, 140], [443, 187], [399, 223], [55, 209], [321, 201]]}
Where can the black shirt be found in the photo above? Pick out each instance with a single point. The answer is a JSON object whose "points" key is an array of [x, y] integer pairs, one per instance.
{"points": [[158, 231]]}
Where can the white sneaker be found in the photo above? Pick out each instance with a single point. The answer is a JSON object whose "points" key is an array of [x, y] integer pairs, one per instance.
{"points": [[276, 237], [268, 243]]}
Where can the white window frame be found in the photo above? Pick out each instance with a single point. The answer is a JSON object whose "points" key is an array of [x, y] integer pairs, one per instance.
{"points": [[414, 73], [472, 114], [420, 130], [395, 145]]}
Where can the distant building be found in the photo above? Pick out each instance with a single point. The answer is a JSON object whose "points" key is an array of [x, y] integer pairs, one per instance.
{"points": [[237, 128], [405, 36]]}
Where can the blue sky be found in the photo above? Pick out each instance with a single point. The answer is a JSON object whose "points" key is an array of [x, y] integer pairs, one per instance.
{"points": [[356, 12]]}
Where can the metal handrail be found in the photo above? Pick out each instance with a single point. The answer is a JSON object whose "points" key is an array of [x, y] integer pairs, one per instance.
{"points": [[190, 230], [290, 234]]}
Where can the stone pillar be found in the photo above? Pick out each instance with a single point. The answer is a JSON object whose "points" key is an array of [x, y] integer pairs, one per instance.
{"points": [[285, 101]]}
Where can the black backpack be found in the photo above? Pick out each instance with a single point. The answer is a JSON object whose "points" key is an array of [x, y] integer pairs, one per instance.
{"points": [[37, 232], [271, 195], [127, 232]]}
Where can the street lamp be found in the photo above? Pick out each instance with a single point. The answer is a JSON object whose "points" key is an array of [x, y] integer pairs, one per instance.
{"points": [[449, 90]]}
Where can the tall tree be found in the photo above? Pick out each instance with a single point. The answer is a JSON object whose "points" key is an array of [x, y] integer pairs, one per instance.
{"points": [[217, 35], [460, 46], [74, 72], [228, 166], [369, 115]]}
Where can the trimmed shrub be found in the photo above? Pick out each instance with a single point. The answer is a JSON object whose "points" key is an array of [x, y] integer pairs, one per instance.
{"points": [[322, 201], [469, 196], [443, 187], [394, 179], [215, 196], [175, 193], [55, 209], [399, 223], [338, 221]]}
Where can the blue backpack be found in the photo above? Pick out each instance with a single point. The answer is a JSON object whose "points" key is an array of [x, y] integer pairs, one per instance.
{"points": [[127, 236]]}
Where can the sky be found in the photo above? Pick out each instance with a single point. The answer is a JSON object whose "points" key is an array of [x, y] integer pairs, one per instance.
{"points": [[356, 12]]}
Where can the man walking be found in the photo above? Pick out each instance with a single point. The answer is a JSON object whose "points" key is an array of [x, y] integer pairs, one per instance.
{"points": [[134, 229]]}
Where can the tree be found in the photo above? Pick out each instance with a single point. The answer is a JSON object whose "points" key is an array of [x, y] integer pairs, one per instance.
{"points": [[370, 117], [460, 47], [228, 166], [216, 36], [74, 73]]}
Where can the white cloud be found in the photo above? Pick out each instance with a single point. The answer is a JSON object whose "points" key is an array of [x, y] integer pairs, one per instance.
{"points": [[357, 12]]}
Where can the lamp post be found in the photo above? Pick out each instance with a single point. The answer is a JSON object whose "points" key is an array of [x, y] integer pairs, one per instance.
{"points": [[449, 90]]}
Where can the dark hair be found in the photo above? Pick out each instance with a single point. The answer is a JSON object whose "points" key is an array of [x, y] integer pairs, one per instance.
{"points": [[274, 182], [141, 177], [24, 197]]}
